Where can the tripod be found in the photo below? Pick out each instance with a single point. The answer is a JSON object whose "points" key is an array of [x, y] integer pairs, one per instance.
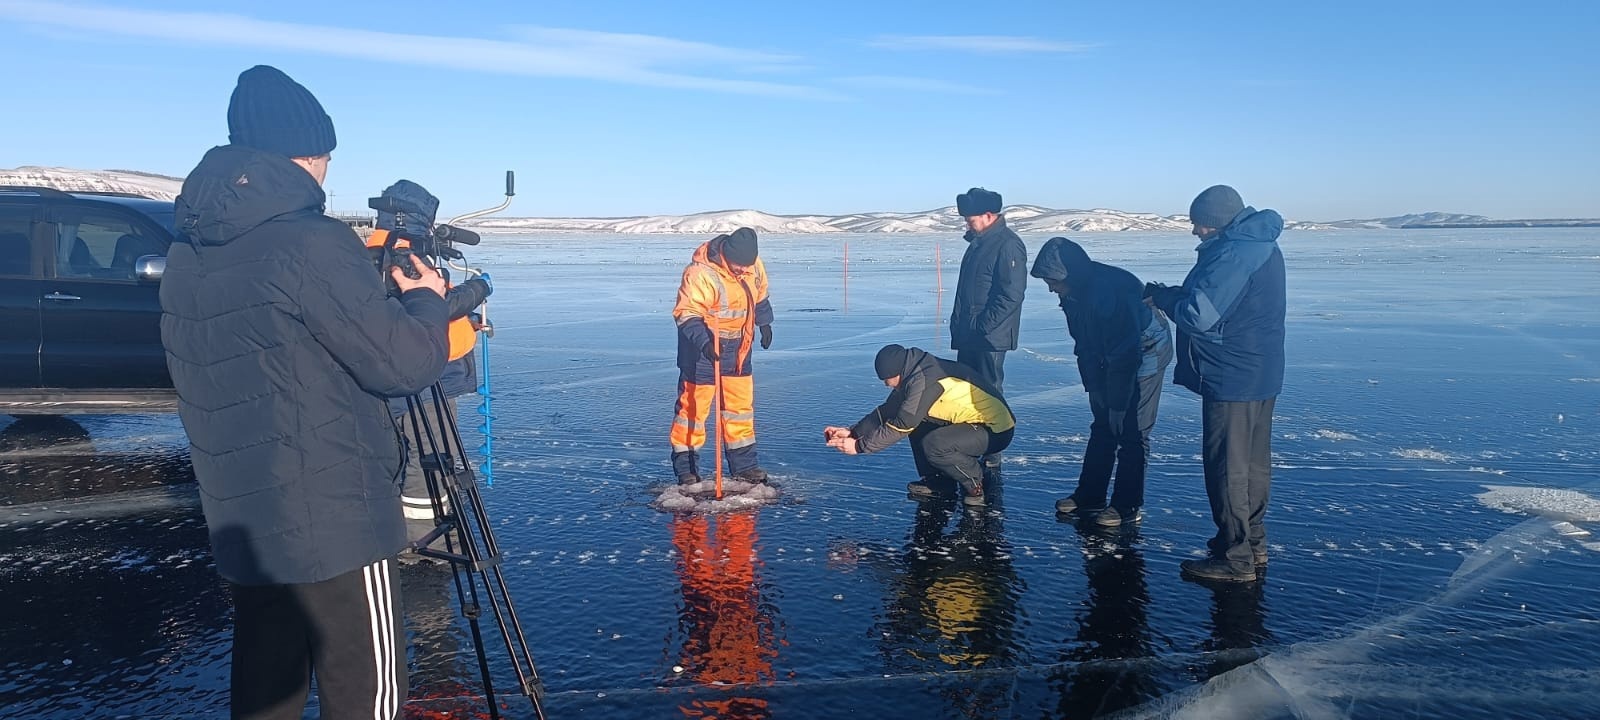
{"points": [[469, 544]]}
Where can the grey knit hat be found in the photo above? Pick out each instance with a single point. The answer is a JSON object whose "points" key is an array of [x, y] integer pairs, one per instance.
{"points": [[1215, 207]]}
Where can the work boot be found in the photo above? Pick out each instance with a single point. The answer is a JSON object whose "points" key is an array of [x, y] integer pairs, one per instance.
{"points": [[1260, 557], [991, 462], [1214, 569], [688, 479], [1070, 504], [752, 474], [922, 488], [1112, 517], [972, 493]]}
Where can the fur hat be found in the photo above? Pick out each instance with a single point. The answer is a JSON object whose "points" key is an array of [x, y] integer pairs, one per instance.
{"points": [[977, 201], [273, 113]]}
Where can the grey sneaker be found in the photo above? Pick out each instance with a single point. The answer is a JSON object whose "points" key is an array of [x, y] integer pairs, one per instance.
{"points": [[1069, 504], [1213, 569], [1112, 517]]}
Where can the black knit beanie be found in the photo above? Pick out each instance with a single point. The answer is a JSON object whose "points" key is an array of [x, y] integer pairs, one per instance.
{"points": [[891, 361], [740, 247], [977, 201], [1215, 207], [273, 113]]}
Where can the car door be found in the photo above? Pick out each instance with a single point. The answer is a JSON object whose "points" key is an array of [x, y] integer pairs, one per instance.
{"points": [[100, 325], [20, 266]]}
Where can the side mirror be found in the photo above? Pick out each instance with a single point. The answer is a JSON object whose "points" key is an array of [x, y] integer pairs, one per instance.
{"points": [[150, 268]]}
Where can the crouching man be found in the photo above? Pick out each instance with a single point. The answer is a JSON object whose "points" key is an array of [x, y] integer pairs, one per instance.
{"points": [[953, 417]]}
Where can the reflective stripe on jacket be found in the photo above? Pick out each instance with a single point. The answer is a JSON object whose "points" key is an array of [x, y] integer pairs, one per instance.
{"points": [[713, 295]]}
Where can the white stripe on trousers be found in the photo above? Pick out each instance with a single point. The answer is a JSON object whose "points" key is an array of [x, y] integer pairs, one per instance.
{"points": [[380, 611]]}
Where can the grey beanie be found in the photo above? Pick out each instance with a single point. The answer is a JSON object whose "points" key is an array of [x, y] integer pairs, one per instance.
{"points": [[1215, 207], [741, 247], [271, 112]]}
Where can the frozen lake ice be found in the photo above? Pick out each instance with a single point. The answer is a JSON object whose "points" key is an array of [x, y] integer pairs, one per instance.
{"points": [[1436, 481]]}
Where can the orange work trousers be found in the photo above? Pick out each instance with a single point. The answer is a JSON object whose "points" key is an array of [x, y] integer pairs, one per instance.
{"points": [[737, 420]]}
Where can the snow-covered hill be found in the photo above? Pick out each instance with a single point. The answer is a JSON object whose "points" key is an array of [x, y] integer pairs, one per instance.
{"points": [[159, 187], [1022, 218]]}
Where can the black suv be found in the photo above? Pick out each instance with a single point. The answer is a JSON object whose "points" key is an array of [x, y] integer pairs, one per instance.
{"points": [[79, 312]]}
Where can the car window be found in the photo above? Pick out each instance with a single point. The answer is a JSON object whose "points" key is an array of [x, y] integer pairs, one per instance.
{"points": [[15, 253], [102, 244]]}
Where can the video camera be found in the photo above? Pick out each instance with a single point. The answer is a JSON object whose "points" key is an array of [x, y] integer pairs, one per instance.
{"points": [[406, 220], [405, 213]]}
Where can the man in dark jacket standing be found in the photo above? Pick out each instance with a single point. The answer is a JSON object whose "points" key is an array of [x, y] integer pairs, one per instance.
{"points": [[953, 417], [994, 276], [988, 303], [1229, 314], [1123, 349], [283, 344]]}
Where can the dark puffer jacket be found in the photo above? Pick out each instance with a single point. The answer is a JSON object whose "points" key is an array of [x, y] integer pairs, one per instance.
{"points": [[1116, 337], [988, 305], [283, 345]]}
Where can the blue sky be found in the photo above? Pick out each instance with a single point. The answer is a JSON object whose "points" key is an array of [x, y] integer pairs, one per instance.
{"points": [[1329, 111]]}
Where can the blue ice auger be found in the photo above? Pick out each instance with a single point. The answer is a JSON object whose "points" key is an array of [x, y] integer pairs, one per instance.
{"points": [[486, 408]]}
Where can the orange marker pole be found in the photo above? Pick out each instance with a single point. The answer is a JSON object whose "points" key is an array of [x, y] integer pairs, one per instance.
{"points": [[716, 381], [938, 290], [847, 275]]}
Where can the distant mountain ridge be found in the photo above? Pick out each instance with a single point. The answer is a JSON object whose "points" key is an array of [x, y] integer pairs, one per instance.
{"points": [[1022, 218], [132, 182]]}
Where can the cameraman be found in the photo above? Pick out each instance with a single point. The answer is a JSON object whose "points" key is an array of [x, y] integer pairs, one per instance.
{"points": [[282, 343], [408, 217]]}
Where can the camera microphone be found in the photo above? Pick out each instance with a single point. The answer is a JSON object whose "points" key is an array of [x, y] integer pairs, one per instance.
{"points": [[451, 233]]}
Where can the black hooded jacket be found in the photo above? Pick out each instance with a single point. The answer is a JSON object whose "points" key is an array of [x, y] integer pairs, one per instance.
{"points": [[1115, 336], [282, 345], [988, 305]]}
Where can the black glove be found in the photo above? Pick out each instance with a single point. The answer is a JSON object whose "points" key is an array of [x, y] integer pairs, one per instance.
{"points": [[710, 350], [1151, 288], [766, 336]]}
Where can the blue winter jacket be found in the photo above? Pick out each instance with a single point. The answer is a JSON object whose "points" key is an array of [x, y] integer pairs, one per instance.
{"points": [[1230, 311], [1116, 337]]}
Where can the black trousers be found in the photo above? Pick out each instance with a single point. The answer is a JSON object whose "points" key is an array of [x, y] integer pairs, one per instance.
{"points": [[990, 366], [956, 451], [346, 631], [1120, 440], [1236, 442]]}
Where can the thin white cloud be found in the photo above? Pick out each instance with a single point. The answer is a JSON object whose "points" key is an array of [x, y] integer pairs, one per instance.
{"points": [[914, 84], [550, 52], [647, 50], [988, 44]]}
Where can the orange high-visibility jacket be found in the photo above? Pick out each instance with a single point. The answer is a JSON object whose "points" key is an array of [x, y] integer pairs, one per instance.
{"points": [[713, 300]]}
